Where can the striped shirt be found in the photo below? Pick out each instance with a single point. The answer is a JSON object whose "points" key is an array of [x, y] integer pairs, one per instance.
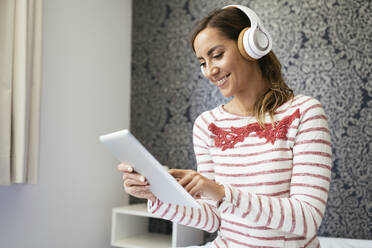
{"points": [[276, 181]]}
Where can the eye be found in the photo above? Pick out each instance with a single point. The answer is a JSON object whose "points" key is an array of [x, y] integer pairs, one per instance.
{"points": [[202, 64], [217, 56]]}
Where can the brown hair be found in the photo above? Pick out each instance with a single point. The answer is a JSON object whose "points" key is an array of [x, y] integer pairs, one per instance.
{"points": [[230, 22]]}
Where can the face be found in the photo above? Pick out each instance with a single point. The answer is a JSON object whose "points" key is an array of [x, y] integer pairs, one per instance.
{"points": [[222, 63]]}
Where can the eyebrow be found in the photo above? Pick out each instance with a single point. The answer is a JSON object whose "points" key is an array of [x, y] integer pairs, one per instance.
{"points": [[211, 51]]}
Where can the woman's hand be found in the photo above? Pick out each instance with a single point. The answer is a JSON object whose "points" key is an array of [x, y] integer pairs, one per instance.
{"points": [[198, 185], [135, 184]]}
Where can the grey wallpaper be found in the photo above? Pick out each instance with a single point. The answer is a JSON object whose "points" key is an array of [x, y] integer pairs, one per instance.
{"points": [[326, 51]]}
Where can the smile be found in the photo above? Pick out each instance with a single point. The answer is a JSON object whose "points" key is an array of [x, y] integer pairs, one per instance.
{"points": [[222, 81]]}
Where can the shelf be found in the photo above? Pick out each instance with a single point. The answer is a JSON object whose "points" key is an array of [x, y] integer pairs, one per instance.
{"points": [[145, 240], [135, 209], [130, 230]]}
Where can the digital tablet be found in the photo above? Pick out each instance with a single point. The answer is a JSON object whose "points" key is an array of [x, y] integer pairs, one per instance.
{"points": [[126, 148]]}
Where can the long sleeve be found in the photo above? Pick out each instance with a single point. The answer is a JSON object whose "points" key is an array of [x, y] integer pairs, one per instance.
{"points": [[207, 217], [301, 213]]}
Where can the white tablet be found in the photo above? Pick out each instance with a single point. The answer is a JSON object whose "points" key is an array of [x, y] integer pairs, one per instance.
{"points": [[126, 148]]}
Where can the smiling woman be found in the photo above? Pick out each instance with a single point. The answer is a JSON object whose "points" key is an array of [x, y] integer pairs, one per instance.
{"points": [[264, 158], [223, 65], [249, 53]]}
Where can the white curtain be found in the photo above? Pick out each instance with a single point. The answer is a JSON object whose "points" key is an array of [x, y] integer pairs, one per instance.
{"points": [[20, 78]]}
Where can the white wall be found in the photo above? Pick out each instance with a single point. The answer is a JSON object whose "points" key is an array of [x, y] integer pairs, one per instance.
{"points": [[85, 93]]}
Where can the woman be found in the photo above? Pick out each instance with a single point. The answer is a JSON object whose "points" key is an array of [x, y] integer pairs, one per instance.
{"points": [[263, 158]]}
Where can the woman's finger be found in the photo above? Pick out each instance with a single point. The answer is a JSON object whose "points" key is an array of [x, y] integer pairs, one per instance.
{"points": [[178, 173], [186, 180], [135, 176], [139, 191], [131, 183], [191, 185], [196, 190], [125, 167]]}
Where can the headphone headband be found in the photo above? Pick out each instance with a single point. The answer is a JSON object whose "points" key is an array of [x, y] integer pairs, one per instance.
{"points": [[252, 16]]}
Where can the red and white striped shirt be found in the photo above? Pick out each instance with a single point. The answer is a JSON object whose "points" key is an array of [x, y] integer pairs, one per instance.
{"points": [[276, 181]]}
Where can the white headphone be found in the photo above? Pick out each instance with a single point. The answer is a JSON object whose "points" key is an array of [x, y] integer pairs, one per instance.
{"points": [[254, 41]]}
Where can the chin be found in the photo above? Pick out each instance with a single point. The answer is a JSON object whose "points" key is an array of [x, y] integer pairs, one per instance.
{"points": [[226, 94]]}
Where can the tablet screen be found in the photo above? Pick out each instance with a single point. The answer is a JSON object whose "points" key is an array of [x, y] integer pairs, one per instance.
{"points": [[126, 148]]}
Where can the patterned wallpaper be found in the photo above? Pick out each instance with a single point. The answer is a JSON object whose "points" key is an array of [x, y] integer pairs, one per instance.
{"points": [[325, 47]]}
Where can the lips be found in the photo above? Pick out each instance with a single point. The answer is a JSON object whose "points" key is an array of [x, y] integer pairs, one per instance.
{"points": [[222, 81]]}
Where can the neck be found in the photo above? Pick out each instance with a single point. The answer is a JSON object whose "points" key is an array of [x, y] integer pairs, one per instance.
{"points": [[243, 103], [241, 107]]}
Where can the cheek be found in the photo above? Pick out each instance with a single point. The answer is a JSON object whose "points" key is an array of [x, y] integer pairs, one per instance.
{"points": [[243, 70], [222, 64], [241, 78]]}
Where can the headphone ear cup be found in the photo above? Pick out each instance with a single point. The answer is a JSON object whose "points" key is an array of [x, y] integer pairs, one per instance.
{"points": [[244, 34], [261, 42], [254, 42]]}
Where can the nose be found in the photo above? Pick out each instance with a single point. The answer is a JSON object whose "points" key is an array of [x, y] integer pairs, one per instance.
{"points": [[211, 71]]}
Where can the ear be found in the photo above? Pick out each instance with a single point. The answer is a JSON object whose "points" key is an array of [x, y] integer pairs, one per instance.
{"points": [[241, 46], [202, 70]]}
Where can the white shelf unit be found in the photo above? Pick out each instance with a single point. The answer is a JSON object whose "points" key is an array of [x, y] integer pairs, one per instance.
{"points": [[130, 230]]}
